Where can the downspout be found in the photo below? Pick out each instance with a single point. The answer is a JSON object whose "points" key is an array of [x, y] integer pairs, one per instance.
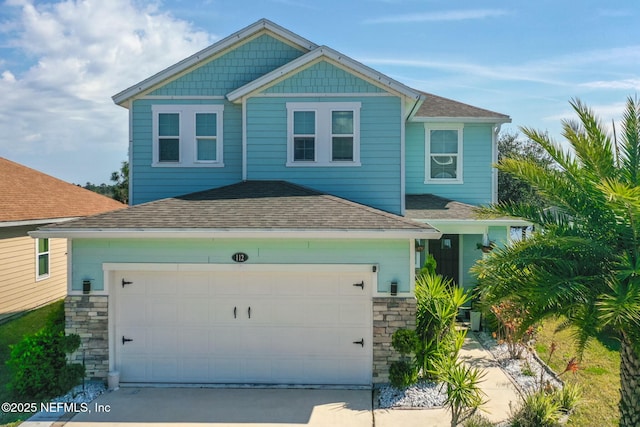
{"points": [[244, 139], [403, 124], [494, 161], [130, 159]]}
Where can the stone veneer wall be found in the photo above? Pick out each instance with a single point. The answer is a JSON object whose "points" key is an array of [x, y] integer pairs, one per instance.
{"points": [[389, 315], [88, 316]]}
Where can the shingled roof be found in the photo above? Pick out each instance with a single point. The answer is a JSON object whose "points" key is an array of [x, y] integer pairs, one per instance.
{"points": [[29, 195], [430, 206], [249, 206], [435, 106]]}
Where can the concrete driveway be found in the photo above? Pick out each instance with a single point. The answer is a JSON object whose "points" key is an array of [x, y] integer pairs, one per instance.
{"points": [[228, 407]]}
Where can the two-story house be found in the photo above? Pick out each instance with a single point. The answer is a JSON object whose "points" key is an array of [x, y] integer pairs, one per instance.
{"points": [[281, 196]]}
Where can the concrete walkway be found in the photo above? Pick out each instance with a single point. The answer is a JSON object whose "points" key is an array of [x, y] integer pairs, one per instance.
{"points": [[276, 407], [498, 387]]}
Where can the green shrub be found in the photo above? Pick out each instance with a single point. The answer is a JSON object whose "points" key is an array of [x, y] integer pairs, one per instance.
{"points": [[538, 409], [403, 374], [405, 341], [462, 383], [38, 363], [438, 301], [568, 397], [477, 420]]}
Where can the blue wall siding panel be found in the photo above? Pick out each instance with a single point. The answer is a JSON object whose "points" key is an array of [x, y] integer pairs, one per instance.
{"points": [[392, 256], [323, 77], [476, 188], [376, 183], [233, 69], [153, 183]]}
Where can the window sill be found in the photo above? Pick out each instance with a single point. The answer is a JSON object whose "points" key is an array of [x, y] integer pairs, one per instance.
{"points": [[43, 277], [187, 165], [444, 181], [319, 165]]}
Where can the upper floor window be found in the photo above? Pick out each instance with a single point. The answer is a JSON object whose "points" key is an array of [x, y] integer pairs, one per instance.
{"points": [[443, 160], [42, 258], [187, 135], [323, 134]]}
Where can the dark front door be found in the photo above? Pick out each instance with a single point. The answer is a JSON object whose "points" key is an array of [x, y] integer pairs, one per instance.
{"points": [[446, 251]]}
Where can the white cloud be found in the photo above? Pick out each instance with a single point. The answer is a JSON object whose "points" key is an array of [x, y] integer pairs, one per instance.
{"points": [[625, 84], [449, 15], [82, 52]]}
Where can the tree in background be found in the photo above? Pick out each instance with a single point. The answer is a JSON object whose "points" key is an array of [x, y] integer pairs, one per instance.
{"points": [[510, 188], [585, 264], [121, 183]]}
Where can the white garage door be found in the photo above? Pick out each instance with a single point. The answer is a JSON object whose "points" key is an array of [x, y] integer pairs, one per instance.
{"points": [[274, 327]]}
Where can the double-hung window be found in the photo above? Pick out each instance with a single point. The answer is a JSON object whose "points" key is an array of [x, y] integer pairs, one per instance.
{"points": [[187, 135], [323, 134], [42, 259], [443, 148]]}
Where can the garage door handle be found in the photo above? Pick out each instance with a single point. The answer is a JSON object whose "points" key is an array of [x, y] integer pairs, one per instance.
{"points": [[235, 312], [361, 342], [126, 340], [249, 312]]}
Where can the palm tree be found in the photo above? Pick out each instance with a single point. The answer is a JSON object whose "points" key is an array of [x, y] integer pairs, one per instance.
{"points": [[585, 262]]}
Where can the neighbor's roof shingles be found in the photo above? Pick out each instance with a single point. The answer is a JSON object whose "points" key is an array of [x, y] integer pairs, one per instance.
{"points": [[26, 195], [430, 206], [258, 205]]}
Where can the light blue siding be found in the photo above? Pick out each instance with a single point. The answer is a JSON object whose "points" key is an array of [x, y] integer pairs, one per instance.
{"points": [[392, 256], [324, 77], [375, 183], [152, 183], [233, 69], [477, 162], [470, 254]]}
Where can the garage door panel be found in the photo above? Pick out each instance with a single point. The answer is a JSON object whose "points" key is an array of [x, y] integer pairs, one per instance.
{"points": [[195, 327], [193, 341]]}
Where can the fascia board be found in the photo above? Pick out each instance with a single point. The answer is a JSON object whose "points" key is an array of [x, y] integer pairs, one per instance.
{"points": [[121, 97], [4, 224], [492, 120], [235, 233], [323, 51]]}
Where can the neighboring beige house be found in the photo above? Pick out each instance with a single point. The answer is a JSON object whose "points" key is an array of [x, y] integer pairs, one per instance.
{"points": [[33, 272]]}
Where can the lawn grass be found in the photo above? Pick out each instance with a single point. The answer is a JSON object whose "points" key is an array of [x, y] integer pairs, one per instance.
{"points": [[598, 376], [12, 332]]}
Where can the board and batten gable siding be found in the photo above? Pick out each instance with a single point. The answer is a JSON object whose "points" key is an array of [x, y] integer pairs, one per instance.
{"points": [[153, 182], [19, 289], [477, 164], [391, 256], [233, 69]]}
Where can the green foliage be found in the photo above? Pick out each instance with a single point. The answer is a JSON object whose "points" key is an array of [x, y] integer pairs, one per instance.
{"points": [[438, 302], [585, 262], [429, 266], [405, 341], [120, 181], [477, 420], [568, 397], [538, 409], [462, 383], [38, 363], [403, 373]]}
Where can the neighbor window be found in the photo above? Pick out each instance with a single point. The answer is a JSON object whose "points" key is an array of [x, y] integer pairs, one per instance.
{"points": [[518, 233], [443, 159], [42, 258], [323, 134], [187, 135]]}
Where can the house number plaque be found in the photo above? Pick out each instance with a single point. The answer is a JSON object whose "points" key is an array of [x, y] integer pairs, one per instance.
{"points": [[239, 257]]}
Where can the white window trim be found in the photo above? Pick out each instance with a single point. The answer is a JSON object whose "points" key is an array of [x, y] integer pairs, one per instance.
{"points": [[323, 140], [188, 141], [38, 253], [428, 127]]}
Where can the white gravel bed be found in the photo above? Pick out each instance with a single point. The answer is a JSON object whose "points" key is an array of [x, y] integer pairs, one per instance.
{"points": [[424, 394], [525, 372], [92, 389]]}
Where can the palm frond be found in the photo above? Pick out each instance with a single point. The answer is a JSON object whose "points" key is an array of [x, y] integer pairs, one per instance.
{"points": [[631, 143]]}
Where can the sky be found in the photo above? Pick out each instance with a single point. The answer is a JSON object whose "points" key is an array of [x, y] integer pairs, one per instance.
{"points": [[62, 61]]}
